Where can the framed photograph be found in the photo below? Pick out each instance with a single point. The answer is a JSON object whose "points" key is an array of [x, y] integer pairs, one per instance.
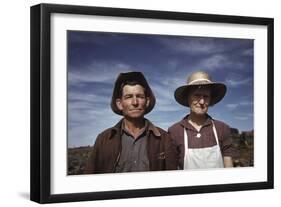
{"points": [[77, 55]]}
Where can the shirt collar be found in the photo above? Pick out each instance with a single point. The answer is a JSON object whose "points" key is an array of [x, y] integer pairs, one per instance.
{"points": [[153, 129], [118, 128], [125, 130], [185, 123]]}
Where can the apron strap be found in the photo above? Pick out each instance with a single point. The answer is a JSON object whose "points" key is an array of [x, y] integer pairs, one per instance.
{"points": [[185, 139], [185, 162], [215, 132]]}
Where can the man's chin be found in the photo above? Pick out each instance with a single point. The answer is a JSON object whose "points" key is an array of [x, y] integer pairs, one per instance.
{"points": [[136, 115]]}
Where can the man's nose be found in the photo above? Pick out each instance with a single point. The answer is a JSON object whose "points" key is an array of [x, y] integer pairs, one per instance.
{"points": [[135, 101]]}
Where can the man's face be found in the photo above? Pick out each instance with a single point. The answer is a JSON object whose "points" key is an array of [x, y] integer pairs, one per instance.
{"points": [[199, 101], [133, 102]]}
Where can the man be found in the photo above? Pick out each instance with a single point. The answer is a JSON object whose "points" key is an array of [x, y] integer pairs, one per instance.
{"points": [[134, 144], [202, 142]]}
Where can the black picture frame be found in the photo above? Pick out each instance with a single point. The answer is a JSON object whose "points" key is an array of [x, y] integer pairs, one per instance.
{"points": [[40, 177]]}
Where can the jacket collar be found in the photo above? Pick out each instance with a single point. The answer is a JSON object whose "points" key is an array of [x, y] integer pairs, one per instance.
{"points": [[184, 122], [150, 128]]}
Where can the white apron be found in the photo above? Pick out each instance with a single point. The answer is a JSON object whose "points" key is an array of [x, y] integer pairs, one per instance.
{"points": [[208, 157]]}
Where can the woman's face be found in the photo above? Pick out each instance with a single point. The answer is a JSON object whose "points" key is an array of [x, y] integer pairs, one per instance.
{"points": [[199, 101]]}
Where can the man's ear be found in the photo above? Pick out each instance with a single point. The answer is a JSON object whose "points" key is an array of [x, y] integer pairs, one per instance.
{"points": [[119, 104], [147, 101]]}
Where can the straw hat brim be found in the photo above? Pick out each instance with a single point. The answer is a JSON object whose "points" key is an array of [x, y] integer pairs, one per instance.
{"points": [[131, 76], [218, 91]]}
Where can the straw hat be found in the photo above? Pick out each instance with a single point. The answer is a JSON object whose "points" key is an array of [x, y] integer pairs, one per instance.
{"points": [[131, 76], [200, 79]]}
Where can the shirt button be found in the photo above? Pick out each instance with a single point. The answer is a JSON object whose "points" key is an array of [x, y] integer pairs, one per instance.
{"points": [[135, 162]]}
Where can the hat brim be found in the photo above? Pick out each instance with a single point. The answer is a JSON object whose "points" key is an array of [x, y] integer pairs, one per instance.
{"points": [[218, 91], [131, 76]]}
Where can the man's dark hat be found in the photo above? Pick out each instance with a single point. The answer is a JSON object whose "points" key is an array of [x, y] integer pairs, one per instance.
{"points": [[128, 77], [196, 80]]}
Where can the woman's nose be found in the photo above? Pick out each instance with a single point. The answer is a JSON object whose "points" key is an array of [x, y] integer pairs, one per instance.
{"points": [[201, 100]]}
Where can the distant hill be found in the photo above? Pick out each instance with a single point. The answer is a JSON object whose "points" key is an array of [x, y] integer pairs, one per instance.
{"points": [[77, 159], [244, 148]]}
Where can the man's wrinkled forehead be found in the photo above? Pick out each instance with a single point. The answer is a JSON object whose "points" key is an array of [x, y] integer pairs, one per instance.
{"points": [[136, 88], [133, 87]]}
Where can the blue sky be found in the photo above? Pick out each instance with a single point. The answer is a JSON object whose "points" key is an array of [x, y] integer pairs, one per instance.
{"points": [[96, 58]]}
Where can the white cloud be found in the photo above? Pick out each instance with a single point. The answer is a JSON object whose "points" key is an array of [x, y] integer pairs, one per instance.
{"points": [[192, 46], [232, 106], [242, 118], [237, 83], [89, 98], [213, 63], [91, 122], [102, 72], [246, 103], [79, 105], [213, 53], [248, 52], [235, 105], [164, 94], [88, 115], [97, 38]]}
